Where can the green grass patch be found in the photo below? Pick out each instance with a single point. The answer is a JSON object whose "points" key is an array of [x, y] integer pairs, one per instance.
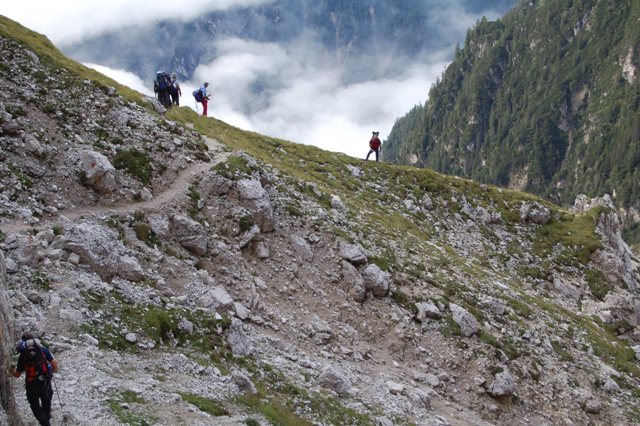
{"points": [[598, 283], [135, 162], [120, 406], [204, 404], [575, 232]]}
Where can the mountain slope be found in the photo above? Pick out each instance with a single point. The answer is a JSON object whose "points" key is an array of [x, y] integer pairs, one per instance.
{"points": [[282, 284], [545, 99]]}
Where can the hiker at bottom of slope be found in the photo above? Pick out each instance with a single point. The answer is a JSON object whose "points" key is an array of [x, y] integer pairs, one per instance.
{"points": [[39, 364], [374, 145], [202, 97]]}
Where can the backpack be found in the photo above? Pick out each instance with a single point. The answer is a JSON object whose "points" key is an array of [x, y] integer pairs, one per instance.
{"points": [[198, 95], [163, 82], [36, 364]]}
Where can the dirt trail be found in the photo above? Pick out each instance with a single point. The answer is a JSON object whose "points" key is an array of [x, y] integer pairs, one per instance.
{"points": [[177, 188]]}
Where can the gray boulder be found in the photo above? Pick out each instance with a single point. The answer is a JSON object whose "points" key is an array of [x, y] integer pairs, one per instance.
{"points": [[427, 310], [251, 190], [243, 382], [335, 380], [534, 212], [502, 385], [301, 247], [96, 246], [213, 184], [190, 234], [468, 323], [238, 340], [376, 280], [98, 171], [352, 253], [354, 281]]}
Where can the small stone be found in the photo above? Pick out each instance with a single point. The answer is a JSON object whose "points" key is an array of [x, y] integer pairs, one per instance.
{"points": [[131, 337]]}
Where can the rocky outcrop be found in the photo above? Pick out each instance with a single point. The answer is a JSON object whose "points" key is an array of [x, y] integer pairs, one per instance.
{"points": [[616, 259], [8, 409]]}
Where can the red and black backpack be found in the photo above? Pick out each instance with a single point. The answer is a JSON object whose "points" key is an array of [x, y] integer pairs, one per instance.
{"points": [[36, 364]]}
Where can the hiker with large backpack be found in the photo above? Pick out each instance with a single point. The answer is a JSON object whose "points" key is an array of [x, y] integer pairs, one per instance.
{"points": [[374, 145], [202, 97], [39, 365], [162, 86]]}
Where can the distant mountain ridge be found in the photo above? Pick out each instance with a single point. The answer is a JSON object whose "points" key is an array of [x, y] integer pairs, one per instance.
{"points": [[545, 100], [375, 33]]}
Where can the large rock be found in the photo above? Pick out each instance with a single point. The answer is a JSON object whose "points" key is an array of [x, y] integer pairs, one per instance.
{"points": [[502, 385], [427, 310], [336, 380], [98, 171], [301, 247], [217, 299], [534, 212], [354, 281], [352, 253], [8, 410], [468, 323], [251, 191], [213, 184], [190, 234], [376, 280], [96, 246], [238, 340]]}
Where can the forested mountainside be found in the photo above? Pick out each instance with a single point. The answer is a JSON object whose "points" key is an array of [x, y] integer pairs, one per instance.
{"points": [[546, 99], [370, 38]]}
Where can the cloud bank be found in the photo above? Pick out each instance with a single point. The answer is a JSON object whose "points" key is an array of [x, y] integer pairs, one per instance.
{"points": [[73, 20], [278, 92]]}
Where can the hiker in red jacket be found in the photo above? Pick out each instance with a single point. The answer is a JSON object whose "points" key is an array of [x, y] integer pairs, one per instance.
{"points": [[374, 145]]}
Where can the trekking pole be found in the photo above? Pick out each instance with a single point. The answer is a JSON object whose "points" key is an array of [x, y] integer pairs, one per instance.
{"points": [[59, 400]]}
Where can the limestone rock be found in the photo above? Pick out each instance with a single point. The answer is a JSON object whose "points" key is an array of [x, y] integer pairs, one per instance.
{"points": [[335, 380], [354, 281], [534, 212], [468, 323], [376, 280], [301, 247], [190, 234], [427, 310], [502, 385], [238, 340], [352, 253], [98, 171]]}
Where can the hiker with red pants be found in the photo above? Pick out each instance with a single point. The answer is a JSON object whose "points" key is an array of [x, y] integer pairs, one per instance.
{"points": [[202, 97], [39, 364], [374, 145]]}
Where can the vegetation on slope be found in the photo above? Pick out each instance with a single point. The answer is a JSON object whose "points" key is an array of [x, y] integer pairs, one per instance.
{"points": [[542, 100]]}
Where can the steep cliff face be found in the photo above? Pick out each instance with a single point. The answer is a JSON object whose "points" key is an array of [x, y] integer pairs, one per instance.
{"points": [[545, 100], [7, 339]]}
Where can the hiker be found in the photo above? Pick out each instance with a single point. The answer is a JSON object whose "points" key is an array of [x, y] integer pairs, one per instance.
{"points": [[175, 89], [202, 97], [161, 87], [374, 145], [39, 364]]}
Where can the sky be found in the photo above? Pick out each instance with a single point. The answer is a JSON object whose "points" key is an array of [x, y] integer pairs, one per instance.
{"points": [[307, 101]]}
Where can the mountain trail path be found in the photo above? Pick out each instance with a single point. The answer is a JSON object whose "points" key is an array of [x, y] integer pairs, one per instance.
{"points": [[176, 189]]}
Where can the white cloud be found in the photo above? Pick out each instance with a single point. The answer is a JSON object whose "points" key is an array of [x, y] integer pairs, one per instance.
{"points": [[125, 77], [73, 20], [303, 101]]}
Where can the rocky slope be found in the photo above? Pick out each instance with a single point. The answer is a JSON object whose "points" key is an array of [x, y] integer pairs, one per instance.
{"points": [[187, 272]]}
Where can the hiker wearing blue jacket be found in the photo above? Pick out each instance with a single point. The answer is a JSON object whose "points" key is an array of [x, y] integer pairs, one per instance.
{"points": [[202, 97]]}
